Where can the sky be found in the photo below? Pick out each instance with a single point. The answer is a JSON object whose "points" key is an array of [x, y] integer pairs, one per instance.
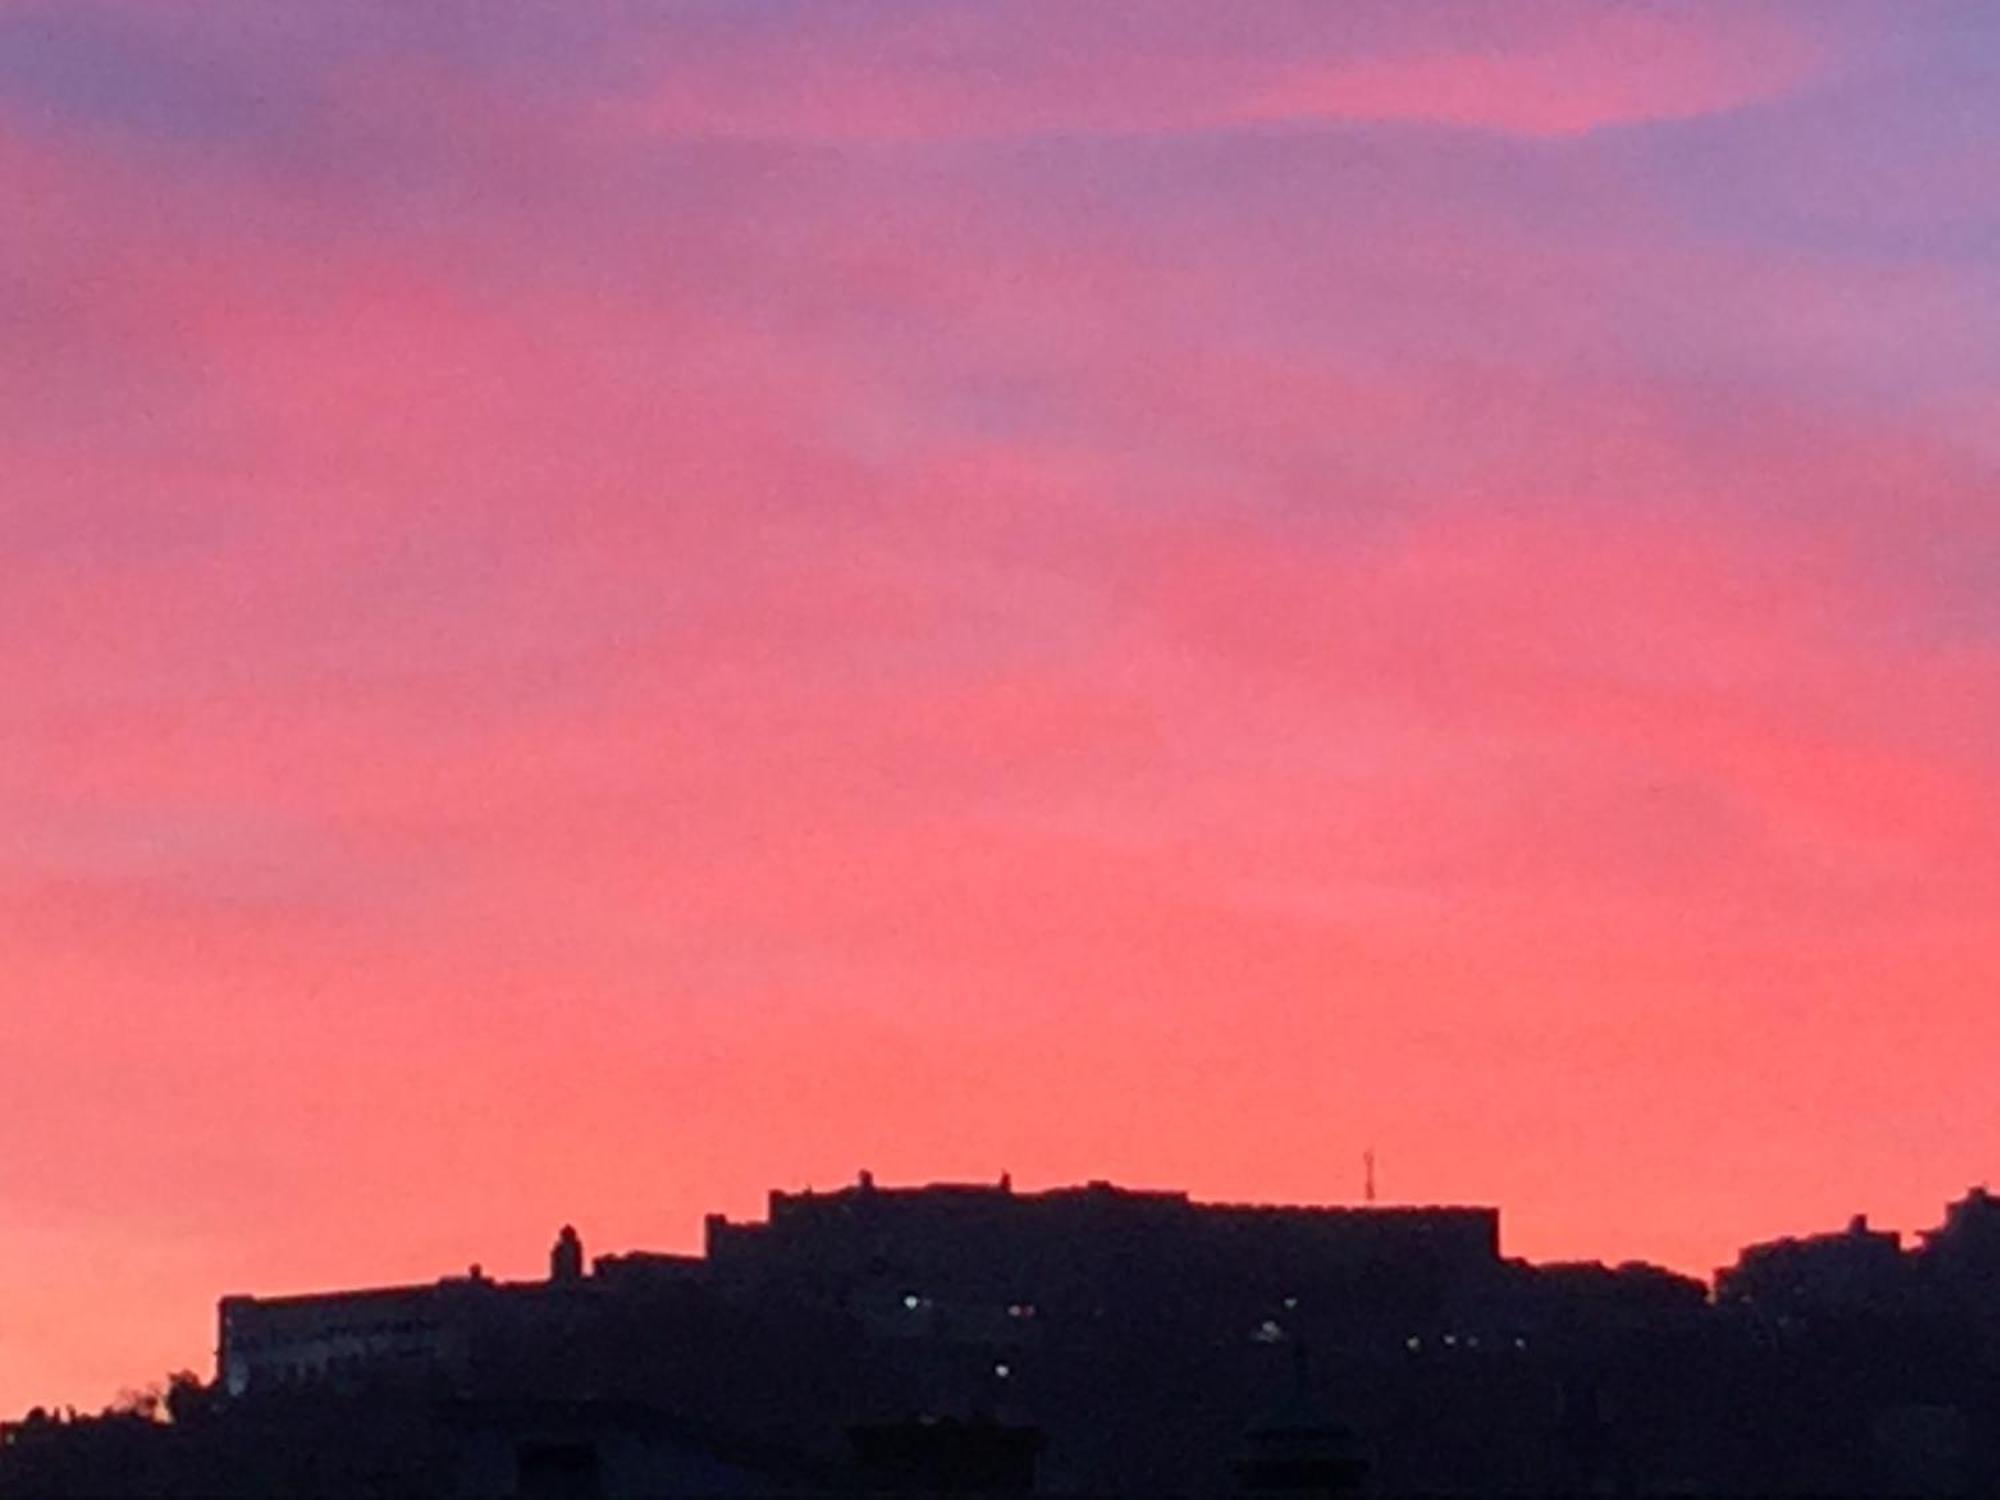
{"points": [[606, 605]]}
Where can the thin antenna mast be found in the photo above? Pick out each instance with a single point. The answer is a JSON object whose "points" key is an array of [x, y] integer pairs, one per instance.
{"points": [[1368, 1175]]}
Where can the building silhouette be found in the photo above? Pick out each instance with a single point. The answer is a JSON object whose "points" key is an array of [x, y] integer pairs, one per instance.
{"points": [[1858, 1267], [1093, 1338], [1300, 1446], [566, 1258]]}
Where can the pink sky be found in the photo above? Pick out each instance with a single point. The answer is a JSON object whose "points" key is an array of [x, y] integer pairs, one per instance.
{"points": [[610, 606]]}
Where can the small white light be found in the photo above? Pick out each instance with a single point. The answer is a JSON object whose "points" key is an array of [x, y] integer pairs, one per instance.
{"points": [[1413, 1343], [1002, 1371], [912, 1301]]}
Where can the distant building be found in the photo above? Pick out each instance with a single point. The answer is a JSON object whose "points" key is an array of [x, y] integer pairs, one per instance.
{"points": [[979, 1266], [1300, 1446], [271, 1342], [976, 1254], [1128, 1341], [1577, 1305], [424, 1333], [648, 1270], [566, 1258], [1859, 1267], [1967, 1244]]}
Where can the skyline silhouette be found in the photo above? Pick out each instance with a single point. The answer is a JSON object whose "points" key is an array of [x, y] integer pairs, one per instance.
{"points": [[608, 602], [1853, 1260], [1088, 1338]]}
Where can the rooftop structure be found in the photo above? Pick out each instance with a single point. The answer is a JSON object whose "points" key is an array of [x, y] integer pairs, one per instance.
{"points": [[973, 1257], [416, 1332], [1858, 1266]]}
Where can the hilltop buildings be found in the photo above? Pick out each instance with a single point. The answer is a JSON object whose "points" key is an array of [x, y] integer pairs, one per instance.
{"points": [[1097, 1338], [944, 1265]]}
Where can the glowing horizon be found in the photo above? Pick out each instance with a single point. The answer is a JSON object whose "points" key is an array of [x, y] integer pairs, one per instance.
{"points": [[609, 606]]}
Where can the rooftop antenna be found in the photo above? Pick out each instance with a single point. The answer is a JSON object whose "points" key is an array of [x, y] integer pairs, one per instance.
{"points": [[1368, 1175]]}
